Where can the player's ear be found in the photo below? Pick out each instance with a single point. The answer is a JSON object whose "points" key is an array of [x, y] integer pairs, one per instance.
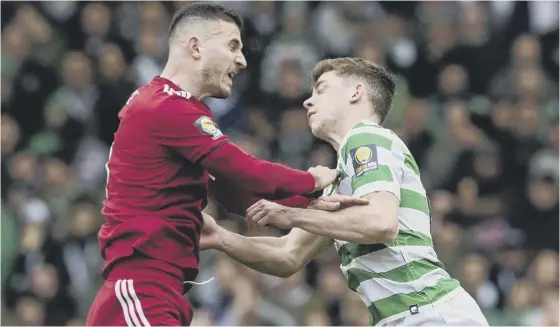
{"points": [[193, 47], [357, 93]]}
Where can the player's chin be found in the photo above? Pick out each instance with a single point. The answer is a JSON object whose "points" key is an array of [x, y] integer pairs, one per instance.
{"points": [[315, 129], [224, 92]]}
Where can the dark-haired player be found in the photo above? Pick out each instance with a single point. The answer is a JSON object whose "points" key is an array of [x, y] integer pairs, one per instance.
{"points": [[165, 149]]}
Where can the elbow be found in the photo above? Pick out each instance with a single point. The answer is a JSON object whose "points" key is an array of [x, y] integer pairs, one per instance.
{"points": [[391, 231], [288, 267], [290, 262], [383, 230]]}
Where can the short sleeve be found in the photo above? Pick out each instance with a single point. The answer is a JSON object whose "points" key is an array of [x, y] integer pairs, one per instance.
{"points": [[370, 164], [187, 129]]}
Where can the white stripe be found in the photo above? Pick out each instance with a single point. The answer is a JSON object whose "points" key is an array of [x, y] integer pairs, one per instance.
{"points": [[122, 302], [376, 187], [129, 303], [376, 289], [369, 130], [412, 182], [390, 258], [415, 220], [137, 303], [345, 186]]}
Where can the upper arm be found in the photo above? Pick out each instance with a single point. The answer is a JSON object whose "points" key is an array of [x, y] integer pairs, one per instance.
{"points": [[375, 173], [383, 204], [182, 126], [303, 246], [371, 164]]}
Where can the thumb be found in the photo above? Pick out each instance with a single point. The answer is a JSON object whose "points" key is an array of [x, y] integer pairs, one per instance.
{"points": [[330, 206], [205, 244]]}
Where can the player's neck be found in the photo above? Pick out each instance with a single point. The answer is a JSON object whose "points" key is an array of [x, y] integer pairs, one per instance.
{"points": [[188, 80], [334, 139], [339, 131]]}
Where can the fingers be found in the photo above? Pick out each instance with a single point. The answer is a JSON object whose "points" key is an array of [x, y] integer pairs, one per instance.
{"points": [[326, 205], [258, 218], [254, 208], [344, 199], [354, 201], [255, 213]]}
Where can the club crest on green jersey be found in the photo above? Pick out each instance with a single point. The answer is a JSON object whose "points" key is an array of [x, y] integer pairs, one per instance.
{"points": [[364, 159]]}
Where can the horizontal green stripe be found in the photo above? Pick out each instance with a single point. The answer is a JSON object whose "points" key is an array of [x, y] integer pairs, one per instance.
{"points": [[406, 237], [381, 174], [369, 124], [414, 200], [411, 163], [349, 251], [365, 138], [403, 274], [409, 237], [398, 303]]}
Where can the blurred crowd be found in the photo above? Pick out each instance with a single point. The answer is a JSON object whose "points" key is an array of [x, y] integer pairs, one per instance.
{"points": [[477, 104]]}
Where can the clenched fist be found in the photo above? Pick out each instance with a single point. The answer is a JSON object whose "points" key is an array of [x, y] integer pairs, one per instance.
{"points": [[324, 176]]}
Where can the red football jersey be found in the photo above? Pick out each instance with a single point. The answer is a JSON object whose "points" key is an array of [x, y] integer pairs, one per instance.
{"points": [[155, 188]]}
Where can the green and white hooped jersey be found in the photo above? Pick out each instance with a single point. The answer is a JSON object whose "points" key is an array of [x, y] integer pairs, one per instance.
{"points": [[393, 279]]}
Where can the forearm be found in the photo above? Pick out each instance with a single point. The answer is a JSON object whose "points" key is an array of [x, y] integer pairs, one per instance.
{"points": [[253, 175], [263, 254], [346, 225], [237, 201]]}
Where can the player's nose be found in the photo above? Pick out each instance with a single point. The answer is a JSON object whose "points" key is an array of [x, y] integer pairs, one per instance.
{"points": [[307, 104], [241, 62]]}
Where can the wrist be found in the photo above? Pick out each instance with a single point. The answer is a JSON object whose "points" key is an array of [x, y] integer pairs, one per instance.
{"points": [[310, 182], [222, 236], [294, 216]]}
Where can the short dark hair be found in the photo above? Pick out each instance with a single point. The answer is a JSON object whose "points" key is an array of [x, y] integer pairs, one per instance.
{"points": [[380, 82], [205, 11]]}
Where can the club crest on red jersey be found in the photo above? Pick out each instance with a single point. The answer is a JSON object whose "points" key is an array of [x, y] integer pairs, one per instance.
{"points": [[206, 125]]}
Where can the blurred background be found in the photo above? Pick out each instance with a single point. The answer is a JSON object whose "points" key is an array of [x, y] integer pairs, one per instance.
{"points": [[477, 103]]}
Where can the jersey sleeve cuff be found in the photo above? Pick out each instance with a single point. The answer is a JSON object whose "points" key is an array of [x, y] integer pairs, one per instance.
{"points": [[376, 187]]}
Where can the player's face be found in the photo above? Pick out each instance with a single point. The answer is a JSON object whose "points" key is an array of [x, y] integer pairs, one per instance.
{"points": [[223, 59], [327, 103]]}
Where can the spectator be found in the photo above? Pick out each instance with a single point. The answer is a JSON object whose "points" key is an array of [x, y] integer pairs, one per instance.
{"points": [[31, 82], [414, 130], [114, 90], [537, 214], [294, 139], [545, 161], [474, 276], [292, 44]]}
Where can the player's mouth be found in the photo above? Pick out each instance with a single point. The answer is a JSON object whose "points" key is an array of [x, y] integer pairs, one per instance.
{"points": [[231, 75], [309, 114]]}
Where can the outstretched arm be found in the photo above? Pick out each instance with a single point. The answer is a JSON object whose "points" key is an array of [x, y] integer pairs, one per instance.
{"points": [[368, 224], [237, 201], [184, 127], [277, 256], [260, 177]]}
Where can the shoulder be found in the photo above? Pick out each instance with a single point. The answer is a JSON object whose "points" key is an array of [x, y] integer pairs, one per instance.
{"points": [[370, 135], [168, 104]]}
